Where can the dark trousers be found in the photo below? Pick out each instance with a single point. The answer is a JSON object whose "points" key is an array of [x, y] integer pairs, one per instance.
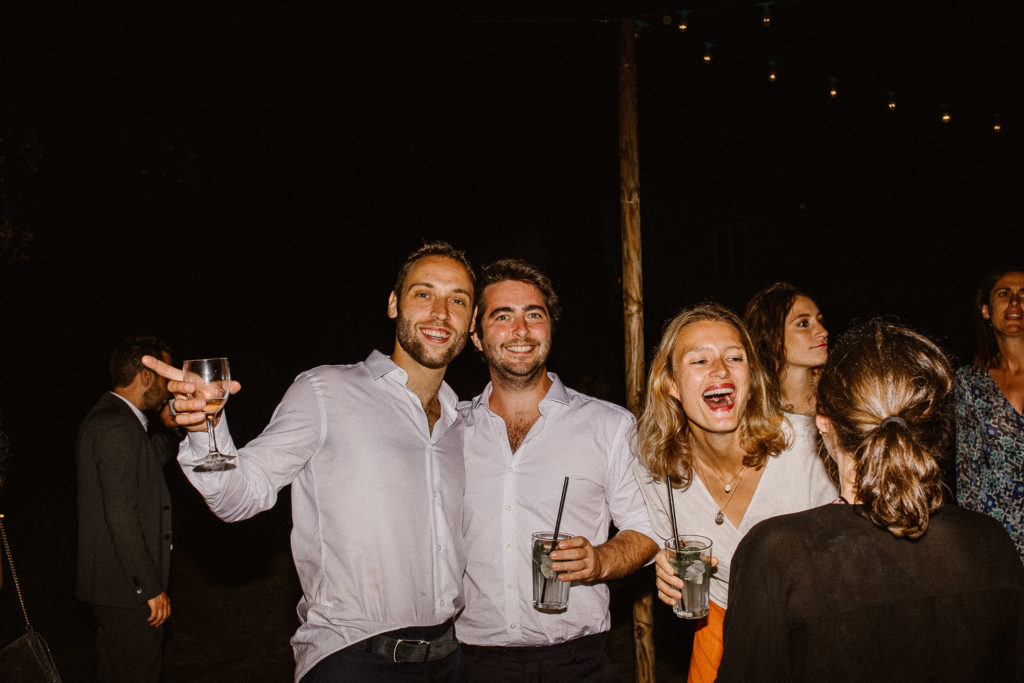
{"points": [[580, 659], [128, 649], [353, 664]]}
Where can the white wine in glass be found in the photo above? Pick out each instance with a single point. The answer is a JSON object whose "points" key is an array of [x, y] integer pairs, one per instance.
{"points": [[212, 380]]}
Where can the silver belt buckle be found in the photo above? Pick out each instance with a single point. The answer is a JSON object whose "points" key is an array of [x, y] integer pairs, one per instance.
{"points": [[401, 641]]}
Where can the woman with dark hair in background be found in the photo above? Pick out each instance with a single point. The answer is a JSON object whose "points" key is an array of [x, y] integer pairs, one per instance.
{"points": [[792, 344], [989, 402], [733, 460], [894, 586]]}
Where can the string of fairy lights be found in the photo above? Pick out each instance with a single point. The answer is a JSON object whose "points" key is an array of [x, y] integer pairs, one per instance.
{"points": [[688, 22]]}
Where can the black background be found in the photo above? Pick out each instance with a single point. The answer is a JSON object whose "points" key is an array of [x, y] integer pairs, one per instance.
{"points": [[245, 181]]}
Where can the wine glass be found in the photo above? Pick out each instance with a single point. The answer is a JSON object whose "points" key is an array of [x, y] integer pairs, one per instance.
{"points": [[212, 380]]}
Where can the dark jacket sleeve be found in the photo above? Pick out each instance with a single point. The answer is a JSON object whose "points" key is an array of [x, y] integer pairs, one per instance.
{"points": [[165, 443], [117, 471]]}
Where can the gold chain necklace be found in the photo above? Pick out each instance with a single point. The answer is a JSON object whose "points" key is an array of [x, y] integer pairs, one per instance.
{"points": [[720, 517]]}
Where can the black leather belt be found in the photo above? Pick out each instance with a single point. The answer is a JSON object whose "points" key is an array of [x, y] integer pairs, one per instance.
{"points": [[398, 649]]}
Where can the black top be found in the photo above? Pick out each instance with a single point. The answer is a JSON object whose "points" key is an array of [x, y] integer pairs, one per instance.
{"points": [[825, 595]]}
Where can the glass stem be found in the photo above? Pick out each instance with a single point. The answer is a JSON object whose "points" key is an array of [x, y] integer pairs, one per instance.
{"points": [[213, 439]]}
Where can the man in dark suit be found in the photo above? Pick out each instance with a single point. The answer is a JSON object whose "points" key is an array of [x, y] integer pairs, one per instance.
{"points": [[124, 515]]}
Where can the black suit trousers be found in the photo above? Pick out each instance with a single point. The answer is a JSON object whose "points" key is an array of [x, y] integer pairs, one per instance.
{"points": [[128, 649]]}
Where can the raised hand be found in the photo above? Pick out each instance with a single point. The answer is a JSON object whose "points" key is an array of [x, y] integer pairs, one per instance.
{"points": [[190, 414]]}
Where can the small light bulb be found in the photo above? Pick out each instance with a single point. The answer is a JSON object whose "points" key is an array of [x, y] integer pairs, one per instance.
{"points": [[996, 124], [890, 100], [707, 52], [684, 21], [833, 87], [707, 59], [772, 76], [946, 118], [833, 93]]}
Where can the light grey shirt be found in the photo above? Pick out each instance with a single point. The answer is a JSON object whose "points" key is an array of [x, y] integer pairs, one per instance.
{"points": [[511, 495], [376, 501], [792, 481]]}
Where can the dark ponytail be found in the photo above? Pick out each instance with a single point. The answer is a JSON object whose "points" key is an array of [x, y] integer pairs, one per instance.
{"points": [[886, 391]]}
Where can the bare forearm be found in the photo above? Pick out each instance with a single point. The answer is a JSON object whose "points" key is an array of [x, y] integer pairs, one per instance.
{"points": [[624, 553]]}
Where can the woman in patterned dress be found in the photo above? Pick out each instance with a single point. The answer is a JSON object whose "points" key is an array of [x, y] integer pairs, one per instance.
{"points": [[989, 403]]}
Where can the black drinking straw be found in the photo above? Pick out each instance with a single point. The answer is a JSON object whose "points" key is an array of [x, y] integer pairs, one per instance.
{"points": [[672, 514], [554, 537]]}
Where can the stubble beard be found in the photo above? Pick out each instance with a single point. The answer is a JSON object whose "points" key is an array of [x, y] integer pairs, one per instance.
{"points": [[515, 376], [155, 397], [419, 351]]}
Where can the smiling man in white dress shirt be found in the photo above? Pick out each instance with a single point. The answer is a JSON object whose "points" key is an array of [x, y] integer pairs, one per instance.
{"points": [[524, 434], [373, 453]]}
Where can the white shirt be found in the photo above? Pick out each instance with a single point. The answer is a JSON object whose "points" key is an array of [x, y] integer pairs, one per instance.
{"points": [[794, 480], [511, 495], [376, 501]]}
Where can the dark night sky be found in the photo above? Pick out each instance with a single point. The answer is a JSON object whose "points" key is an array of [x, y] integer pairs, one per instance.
{"points": [[245, 181]]}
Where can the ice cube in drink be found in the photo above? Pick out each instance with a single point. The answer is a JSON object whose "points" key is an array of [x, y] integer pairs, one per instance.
{"points": [[693, 565], [548, 592]]}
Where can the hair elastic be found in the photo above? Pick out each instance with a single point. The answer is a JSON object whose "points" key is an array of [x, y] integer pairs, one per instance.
{"points": [[894, 418]]}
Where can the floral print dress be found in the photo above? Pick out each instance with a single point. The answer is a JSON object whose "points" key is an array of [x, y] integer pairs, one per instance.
{"points": [[989, 452]]}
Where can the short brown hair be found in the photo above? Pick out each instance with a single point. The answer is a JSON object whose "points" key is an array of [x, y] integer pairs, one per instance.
{"points": [[517, 270], [431, 249], [883, 369], [126, 360], [663, 429]]}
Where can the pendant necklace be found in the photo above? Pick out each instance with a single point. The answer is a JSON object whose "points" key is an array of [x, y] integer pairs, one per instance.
{"points": [[730, 488]]}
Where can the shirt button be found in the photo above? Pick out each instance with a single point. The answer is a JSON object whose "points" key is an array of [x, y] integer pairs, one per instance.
{"points": [[438, 548], [508, 507], [513, 627], [508, 546], [510, 469], [510, 586]]}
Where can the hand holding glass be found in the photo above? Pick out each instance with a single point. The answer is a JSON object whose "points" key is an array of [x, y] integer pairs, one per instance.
{"points": [[212, 380], [690, 557], [549, 594]]}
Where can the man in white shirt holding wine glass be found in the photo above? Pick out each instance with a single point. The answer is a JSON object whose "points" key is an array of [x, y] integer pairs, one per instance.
{"points": [[373, 453]]}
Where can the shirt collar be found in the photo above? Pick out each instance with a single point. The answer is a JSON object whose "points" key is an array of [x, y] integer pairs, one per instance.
{"points": [[381, 365], [138, 413], [556, 393]]}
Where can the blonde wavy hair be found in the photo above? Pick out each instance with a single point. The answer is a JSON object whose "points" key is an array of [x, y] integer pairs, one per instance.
{"points": [[664, 439], [881, 369]]}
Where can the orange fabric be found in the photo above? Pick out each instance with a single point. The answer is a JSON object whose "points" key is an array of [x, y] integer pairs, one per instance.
{"points": [[707, 647]]}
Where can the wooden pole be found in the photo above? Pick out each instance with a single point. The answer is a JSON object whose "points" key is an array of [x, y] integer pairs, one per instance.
{"points": [[633, 299]]}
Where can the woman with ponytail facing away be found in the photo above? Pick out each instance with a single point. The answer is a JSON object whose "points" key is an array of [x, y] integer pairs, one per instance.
{"points": [[889, 584]]}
